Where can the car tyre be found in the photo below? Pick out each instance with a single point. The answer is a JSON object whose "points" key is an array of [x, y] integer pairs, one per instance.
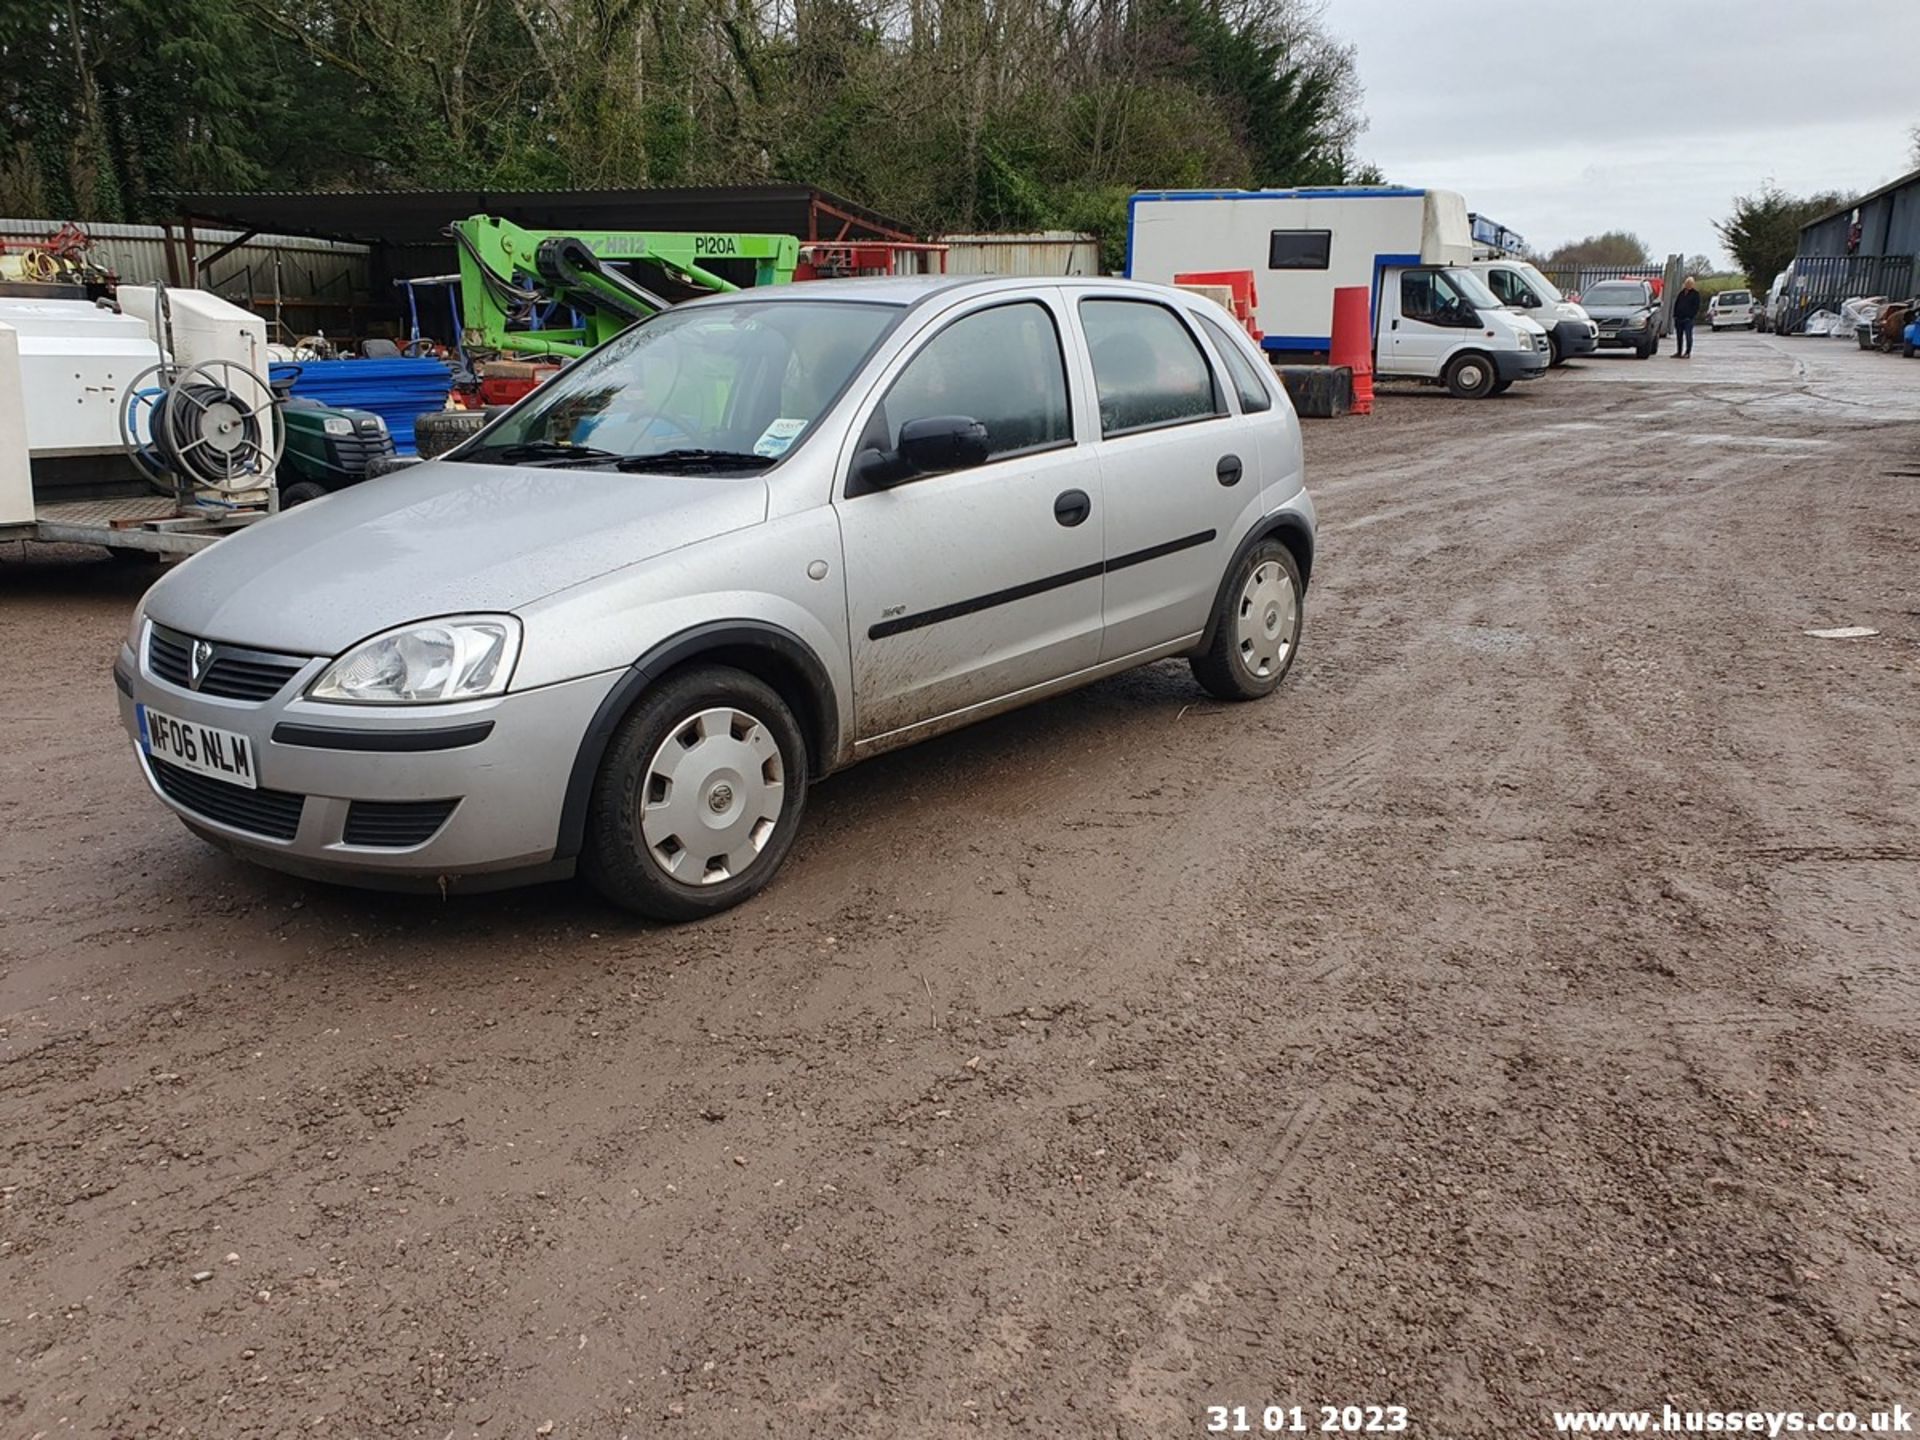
{"points": [[300, 492], [1256, 626], [438, 431], [698, 797], [1471, 376], [1555, 356], [1500, 387]]}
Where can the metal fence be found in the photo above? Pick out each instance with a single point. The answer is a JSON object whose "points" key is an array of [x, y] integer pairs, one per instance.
{"points": [[1824, 282]]}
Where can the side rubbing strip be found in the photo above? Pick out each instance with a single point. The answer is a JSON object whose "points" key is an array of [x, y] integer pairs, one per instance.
{"points": [[1154, 552], [900, 624]]}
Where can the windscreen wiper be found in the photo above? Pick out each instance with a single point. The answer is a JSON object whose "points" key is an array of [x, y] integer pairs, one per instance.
{"points": [[538, 452], [675, 459]]}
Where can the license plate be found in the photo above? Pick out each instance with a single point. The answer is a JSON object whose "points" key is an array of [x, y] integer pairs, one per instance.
{"points": [[217, 754], [1609, 331]]}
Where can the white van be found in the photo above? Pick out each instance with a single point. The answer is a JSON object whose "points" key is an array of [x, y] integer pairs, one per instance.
{"points": [[1570, 330], [1432, 317], [1730, 310]]}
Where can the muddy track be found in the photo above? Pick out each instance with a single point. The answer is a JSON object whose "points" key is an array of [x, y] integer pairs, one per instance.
{"points": [[1517, 1012]]}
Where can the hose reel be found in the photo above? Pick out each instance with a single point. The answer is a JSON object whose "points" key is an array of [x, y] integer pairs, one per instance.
{"points": [[202, 432]]}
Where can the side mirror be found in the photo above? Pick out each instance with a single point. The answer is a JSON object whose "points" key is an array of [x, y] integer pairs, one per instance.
{"points": [[934, 445], [940, 443]]}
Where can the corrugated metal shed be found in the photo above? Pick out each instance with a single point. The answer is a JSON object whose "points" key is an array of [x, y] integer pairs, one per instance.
{"points": [[138, 254], [1044, 252], [1889, 223]]}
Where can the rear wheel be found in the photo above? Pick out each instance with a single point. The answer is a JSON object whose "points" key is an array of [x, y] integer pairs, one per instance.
{"points": [[1470, 376], [699, 796], [1256, 626]]}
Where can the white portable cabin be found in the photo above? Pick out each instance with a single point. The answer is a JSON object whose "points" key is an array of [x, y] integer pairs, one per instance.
{"points": [[1301, 245]]}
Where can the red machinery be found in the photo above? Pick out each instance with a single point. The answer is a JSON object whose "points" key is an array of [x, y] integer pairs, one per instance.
{"points": [[836, 259]]}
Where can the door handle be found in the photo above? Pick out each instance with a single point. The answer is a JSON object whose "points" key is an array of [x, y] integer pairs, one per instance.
{"points": [[1396, 324], [1070, 507], [1228, 470]]}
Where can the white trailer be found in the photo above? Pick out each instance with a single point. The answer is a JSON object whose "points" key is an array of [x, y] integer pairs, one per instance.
{"points": [[66, 366], [1432, 318]]}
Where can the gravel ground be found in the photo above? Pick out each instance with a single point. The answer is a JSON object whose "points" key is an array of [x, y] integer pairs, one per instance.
{"points": [[1516, 1012]]}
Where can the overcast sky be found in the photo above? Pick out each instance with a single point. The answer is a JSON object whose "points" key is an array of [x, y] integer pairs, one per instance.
{"points": [[1564, 118]]}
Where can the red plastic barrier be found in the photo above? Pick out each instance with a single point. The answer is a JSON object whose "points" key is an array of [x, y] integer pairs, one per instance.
{"points": [[1245, 298], [1352, 342]]}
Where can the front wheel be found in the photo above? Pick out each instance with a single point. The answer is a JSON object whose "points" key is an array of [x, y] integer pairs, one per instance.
{"points": [[1470, 377], [699, 796], [1256, 626], [300, 492], [1555, 355]]}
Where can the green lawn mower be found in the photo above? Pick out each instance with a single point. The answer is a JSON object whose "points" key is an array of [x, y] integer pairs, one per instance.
{"points": [[328, 448]]}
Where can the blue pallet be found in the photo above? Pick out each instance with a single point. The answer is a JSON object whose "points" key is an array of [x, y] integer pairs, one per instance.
{"points": [[396, 389]]}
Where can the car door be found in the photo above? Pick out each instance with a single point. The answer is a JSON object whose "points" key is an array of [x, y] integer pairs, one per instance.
{"points": [[1177, 465], [1428, 318], [971, 585]]}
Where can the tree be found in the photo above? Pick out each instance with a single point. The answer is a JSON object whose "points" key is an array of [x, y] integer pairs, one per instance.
{"points": [[1763, 232], [1616, 247], [1701, 266], [952, 114]]}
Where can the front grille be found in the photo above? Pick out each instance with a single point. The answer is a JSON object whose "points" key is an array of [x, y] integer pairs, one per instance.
{"points": [[272, 813], [395, 824], [233, 674]]}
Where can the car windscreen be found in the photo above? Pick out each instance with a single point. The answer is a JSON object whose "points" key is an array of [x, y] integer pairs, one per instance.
{"points": [[1616, 295], [1474, 290], [735, 384], [1735, 297], [1545, 288]]}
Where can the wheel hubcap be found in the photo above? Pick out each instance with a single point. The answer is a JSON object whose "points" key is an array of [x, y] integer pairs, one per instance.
{"points": [[713, 793], [1269, 611]]}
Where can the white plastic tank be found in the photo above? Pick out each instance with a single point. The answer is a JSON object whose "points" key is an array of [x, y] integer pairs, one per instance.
{"points": [[199, 327], [76, 360]]}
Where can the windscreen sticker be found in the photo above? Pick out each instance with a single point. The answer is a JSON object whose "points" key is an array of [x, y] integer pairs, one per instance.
{"points": [[778, 437]]}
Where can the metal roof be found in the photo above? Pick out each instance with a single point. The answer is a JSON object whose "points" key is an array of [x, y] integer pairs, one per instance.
{"points": [[419, 217], [1853, 205]]}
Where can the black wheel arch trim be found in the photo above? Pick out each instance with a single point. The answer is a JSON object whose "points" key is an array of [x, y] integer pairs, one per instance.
{"points": [[1299, 539], [405, 742], [691, 644]]}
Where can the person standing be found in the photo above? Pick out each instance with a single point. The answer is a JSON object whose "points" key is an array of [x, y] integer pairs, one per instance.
{"points": [[1686, 309]]}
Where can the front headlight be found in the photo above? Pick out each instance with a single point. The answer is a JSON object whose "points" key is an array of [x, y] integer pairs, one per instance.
{"points": [[463, 657]]}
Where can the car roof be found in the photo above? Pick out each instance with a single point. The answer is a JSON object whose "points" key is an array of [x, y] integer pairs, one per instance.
{"points": [[912, 289]]}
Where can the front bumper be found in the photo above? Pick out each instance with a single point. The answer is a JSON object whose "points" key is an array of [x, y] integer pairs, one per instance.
{"points": [[1521, 364], [1628, 339], [1576, 337], [504, 762]]}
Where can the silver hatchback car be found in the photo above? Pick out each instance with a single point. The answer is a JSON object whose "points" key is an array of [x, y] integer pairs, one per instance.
{"points": [[753, 540]]}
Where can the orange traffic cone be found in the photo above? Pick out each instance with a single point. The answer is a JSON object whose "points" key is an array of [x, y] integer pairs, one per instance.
{"points": [[1352, 343]]}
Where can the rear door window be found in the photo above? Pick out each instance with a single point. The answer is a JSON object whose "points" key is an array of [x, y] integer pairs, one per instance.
{"points": [[1148, 369]]}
